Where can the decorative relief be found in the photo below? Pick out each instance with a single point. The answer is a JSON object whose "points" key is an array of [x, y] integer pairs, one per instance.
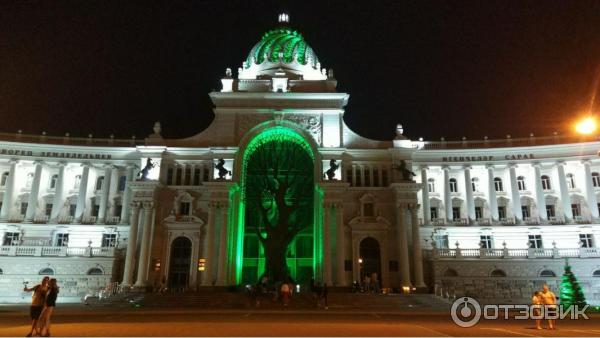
{"points": [[310, 122]]}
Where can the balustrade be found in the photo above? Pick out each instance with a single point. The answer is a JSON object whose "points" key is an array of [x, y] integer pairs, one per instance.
{"points": [[532, 253], [56, 251]]}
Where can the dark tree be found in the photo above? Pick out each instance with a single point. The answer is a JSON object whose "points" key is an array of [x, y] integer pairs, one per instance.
{"points": [[279, 199]]}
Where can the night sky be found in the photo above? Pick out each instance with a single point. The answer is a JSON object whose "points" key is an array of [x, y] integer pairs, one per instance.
{"points": [[441, 68]]}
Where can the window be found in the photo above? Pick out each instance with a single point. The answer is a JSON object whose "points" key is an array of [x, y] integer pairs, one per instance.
{"points": [[433, 213], [367, 177], [178, 177], [576, 209], [358, 177], [53, 181], [122, 182], [29, 181], [197, 176], [184, 208], [535, 241], [521, 183], [525, 211], [11, 238], [24, 208], [205, 175], [349, 176], [502, 212], [368, 210], [99, 182], [546, 182], [4, 179], [441, 241], [109, 240], [498, 184], [188, 175], [72, 209], [596, 273], [498, 273], [117, 210], [62, 239], [169, 176], [478, 213], [550, 212], [596, 179], [453, 185], [384, 177], [77, 182], [95, 210], [431, 185], [48, 209], [46, 271], [376, 177], [586, 240], [486, 241], [547, 273], [95, 271], [455, 213], [475, 184], [570, 181]]}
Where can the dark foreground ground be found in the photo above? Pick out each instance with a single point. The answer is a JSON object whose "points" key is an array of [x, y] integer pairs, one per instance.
{"points": [[78, 320]]}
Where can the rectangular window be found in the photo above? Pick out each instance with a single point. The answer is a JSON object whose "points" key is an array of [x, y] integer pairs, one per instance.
{"points": [[535, 241], [550, 211], [486, 241], [368, 210], [367, 177], [197, 176], [498, 185], [184, 208], [48, 209], [576, 209], [62, 239], [478, 213], [358, 177], [11, 238], [169, 176], [24, 208], [376, 177], [188, 175], [122, 182], [72, 209], [433, 212], [453, 186], [349, 176], [117, 210], [384, 177], [502, 212], [586, 240], [205, 175], [525, 211], [455, 213], [109, 240], [178, 177], [95, 210], [441, 241]]}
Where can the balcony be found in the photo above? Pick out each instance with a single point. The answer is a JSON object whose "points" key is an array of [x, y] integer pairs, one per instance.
{"points": [[88, 220], [42, 219], [56, 251], [16, 218], [112, 220], [531, 253], [531, 220], [556, 220], [65, 220], [582, 220]]}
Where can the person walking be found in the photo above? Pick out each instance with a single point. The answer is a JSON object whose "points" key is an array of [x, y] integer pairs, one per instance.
{"points": [[536, 302], [37, 303], [50, 302], [549, 301]]}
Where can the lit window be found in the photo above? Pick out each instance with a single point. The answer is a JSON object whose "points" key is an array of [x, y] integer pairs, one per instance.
{"points": [[535, 241], [11, 238], [431, 185], [441, 241], [109, 240], [521, 183], [453, 185], [62, 239], [546, 182], [486, 241], [498, 184], [586, 240]]}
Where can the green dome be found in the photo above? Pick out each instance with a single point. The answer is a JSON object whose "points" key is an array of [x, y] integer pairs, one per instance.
{"points": [[281, 45]]}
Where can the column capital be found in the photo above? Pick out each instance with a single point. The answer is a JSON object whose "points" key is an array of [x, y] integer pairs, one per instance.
{"points": [[489, 166], [13, 161], [414, 207], [39, 162], [586, 161], [148, 205], [512, 166], [560, 163], [109, 166], [467, 167], [61, 163], [134, 205], [86, 164], [536, 165], [424, 167], [446, 167]]}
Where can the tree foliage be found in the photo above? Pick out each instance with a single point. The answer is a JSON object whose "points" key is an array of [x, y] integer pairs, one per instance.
{"points": [[571, 292]]}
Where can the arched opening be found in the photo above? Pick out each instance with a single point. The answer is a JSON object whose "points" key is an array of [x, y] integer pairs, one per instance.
{"points": [[547, 273], [450, 273], [46, 271], [179, 267], [95, 271], [371, 259], [498, 273], [596, 273]]}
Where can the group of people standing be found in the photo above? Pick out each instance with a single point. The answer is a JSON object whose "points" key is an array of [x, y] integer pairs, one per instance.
{"points": [[544, 299], [42, 306]]}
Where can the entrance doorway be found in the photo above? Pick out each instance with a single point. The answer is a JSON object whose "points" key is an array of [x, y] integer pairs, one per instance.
{"points": [[371, 259], [179, 268]]}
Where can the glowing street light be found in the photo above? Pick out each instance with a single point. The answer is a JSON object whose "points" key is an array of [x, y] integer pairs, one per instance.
{"points": [[586, 126]]}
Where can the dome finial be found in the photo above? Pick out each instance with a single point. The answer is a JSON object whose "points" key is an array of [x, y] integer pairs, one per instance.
{"points": [[283, 18]]}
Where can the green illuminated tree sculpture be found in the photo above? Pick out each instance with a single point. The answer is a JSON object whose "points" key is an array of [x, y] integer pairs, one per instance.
{"points": [[571, 292], [279, 198]]}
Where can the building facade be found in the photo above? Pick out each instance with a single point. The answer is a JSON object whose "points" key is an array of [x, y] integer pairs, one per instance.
{"points": [[494, 219]]}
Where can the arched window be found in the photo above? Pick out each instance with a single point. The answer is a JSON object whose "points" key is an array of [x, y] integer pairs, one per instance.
{"points": [[475, 184], [431, 185], [46, 271], [4, 178], [546, 182], [498, 184], [99, 182], [450, 273], [570, 181], [596, 273], [53, 181], [453, 185], [498, 273], [521, 183], [547, 273], [596, 179], [77, 182], [95, 271]]}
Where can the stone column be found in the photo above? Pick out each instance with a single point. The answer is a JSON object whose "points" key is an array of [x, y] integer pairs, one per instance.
{"points": [[417, 253], [105, 192], [425, 190], [539, 192], [515, 196], [589, 189], [131, 244], [564, 191], [469, 194], [222, 269], [142, 274], [447, 198], [57, 203], [83, 189], [402, 243], [9, 198], [493, 201], [127, 193], [207, 278], [340, 244], [327, 245], [35, 192]]}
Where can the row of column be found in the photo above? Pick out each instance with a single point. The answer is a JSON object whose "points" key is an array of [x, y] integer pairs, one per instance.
{"points": [[141, 279], [215, 270], [59, 192], [333, 221], [188, 172], [515, 194], [403, 249]]}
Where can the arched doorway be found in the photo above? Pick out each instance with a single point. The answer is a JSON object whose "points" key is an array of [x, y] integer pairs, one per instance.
{"points": [[371, 258], [180, 259]]}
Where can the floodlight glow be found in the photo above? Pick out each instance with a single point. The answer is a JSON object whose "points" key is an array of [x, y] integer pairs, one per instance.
{"points": [[586, 126]]}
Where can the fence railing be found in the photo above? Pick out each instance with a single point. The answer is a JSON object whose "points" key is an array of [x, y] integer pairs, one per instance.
{"points": [[56, 251], [551, 253]]}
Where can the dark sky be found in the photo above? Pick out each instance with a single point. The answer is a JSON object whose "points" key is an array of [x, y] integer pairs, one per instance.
{"points": [[442, 68]]}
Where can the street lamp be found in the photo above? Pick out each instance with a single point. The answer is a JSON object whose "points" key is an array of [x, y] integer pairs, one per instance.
{"points": [[586, 126]]}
